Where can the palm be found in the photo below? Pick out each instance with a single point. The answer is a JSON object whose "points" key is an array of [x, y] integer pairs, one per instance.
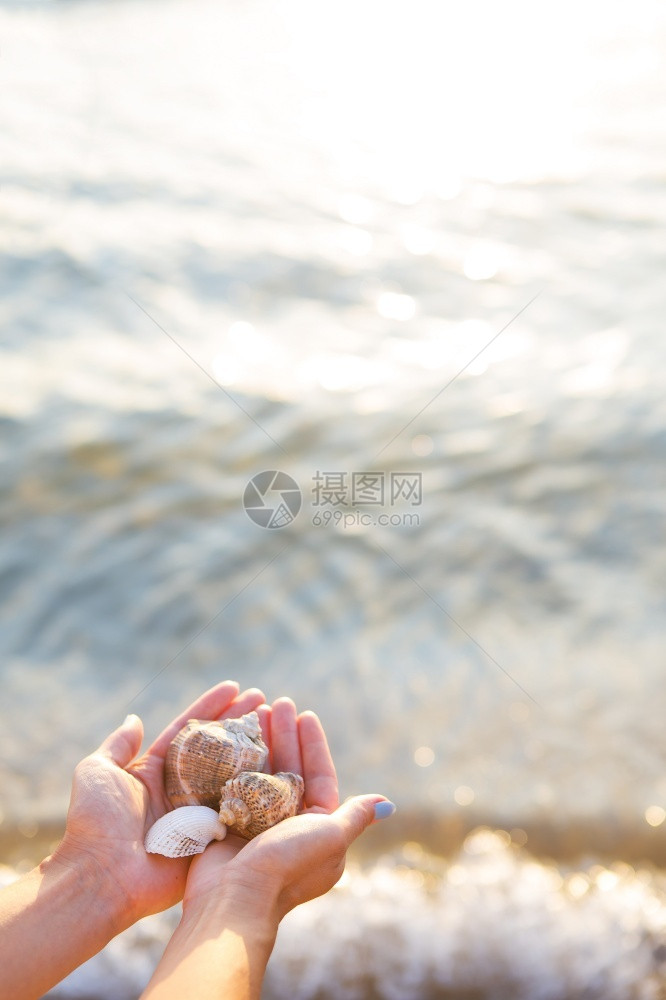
{"points": [[113, 806], [298, 744]]}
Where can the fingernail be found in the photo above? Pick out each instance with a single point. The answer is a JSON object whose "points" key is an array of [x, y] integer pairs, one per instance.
{"points": [[384, 809], [129, 718]]}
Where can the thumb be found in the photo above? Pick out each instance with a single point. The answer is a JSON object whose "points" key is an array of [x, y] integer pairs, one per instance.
{"points": [[124, 743], [358, 812]]}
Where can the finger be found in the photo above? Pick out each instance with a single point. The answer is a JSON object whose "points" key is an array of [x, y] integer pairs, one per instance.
{"points": [[286, 751], [209, 705], [124, 743], [321, 783], [247, 701], [264, 713], [356, 814]]}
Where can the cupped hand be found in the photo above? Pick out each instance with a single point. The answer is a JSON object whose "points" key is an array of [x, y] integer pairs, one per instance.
{"points": [[116, 796], [301, 857]]}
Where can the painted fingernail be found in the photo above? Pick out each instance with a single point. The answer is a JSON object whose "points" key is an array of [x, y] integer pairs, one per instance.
{"points": [[384, 809]]}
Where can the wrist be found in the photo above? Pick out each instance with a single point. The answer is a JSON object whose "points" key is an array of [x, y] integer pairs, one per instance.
{"points": [[236, 905], [221, 946], [94, 882]]}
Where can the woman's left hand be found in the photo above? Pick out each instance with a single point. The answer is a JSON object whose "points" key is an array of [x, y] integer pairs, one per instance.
{"points": [[117, 796]]}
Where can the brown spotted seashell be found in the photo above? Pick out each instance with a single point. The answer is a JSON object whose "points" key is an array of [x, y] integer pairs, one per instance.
{"points": [[205, 755], [252, 802]]}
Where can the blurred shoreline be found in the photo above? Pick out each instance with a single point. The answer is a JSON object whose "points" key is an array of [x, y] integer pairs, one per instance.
{"points": [[440, 836]]}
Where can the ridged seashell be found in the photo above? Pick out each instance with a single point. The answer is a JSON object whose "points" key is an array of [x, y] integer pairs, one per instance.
{"points": [[204, 755], [184, 832], [251, 802]]}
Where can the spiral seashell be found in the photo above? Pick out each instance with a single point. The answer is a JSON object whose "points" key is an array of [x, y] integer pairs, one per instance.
{"points": [[184, 832], [205, 755], [252, 802]]}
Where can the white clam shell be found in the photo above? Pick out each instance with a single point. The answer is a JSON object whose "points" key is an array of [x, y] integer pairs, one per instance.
{"points": [[185, 831]]}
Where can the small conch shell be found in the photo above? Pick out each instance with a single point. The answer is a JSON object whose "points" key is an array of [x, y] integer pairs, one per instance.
{"points": [[252, 802], [184, 832], [204, 755]]}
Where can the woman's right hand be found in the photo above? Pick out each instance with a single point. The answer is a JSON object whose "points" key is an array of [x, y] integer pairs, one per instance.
{"points": [[228, 927], [302, 857], [295, 861]]}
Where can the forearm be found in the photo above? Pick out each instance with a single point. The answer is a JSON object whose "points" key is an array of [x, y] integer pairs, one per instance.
{"points": [[51, 920], [219, 950]]}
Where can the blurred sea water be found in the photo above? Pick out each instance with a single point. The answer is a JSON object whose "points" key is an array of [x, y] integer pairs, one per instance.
{"points": [[376, 239]]}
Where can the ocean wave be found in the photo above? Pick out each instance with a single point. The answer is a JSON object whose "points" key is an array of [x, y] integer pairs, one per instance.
{"points": [[491, 923]]}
